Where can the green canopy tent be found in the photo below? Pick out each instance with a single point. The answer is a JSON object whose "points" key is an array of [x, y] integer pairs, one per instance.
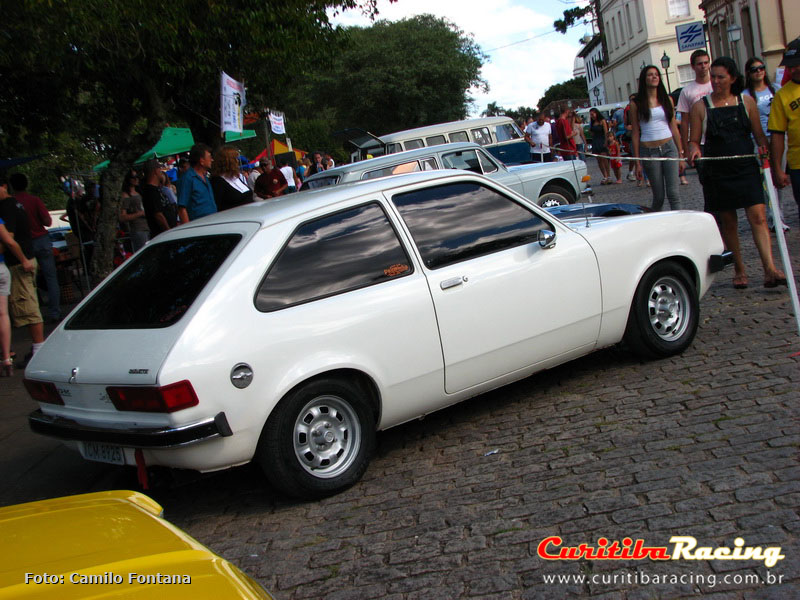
{"points": [[175, 140]]}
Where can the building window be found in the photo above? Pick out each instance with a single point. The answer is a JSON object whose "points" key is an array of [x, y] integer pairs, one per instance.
{"points": [[638, 15], [628, 19], [685, 74], [621, 28], [614, 31], [677, 9]]}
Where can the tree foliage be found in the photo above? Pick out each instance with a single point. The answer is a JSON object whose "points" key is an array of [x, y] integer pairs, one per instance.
{"points": [[113, 73], [574, 88], [396, 75], [574, 15]]}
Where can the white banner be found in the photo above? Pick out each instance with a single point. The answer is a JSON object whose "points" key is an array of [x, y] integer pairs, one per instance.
{"points": [[276, 123], [232, 101]]}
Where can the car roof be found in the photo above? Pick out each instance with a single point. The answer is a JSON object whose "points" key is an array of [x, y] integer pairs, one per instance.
{"points": [[290, 206], [391, 159], [449, 126]]}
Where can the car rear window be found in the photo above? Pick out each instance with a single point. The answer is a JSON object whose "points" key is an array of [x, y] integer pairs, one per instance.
{"points": [[156, 287]]}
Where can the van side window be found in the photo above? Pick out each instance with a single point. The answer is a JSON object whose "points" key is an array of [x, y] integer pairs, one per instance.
{"points": [[334, 254], [434, 140], [459, 136], [482, 136], [507, 131], [393, 148], [412, 144], [429, 164]]}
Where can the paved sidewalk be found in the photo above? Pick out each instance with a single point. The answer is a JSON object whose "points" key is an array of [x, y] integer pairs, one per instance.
{"points": [[456, 505]]}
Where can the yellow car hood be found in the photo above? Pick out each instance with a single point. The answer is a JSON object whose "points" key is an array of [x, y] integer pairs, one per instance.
{"points": [[109, 545]]}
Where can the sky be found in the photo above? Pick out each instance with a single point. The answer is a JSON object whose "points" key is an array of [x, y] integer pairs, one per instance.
{"points": [[519, 69]]}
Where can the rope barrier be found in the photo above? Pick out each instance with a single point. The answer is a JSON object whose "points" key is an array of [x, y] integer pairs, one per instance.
{"points": [[654, 159]]}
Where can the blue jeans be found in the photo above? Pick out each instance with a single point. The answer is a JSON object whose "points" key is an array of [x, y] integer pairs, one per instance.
{"points": [[663, 175], [43, 251]]}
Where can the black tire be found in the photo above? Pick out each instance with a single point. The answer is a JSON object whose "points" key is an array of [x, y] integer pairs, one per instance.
{"points": [[664, 313], [319, 439], [555, 195]]}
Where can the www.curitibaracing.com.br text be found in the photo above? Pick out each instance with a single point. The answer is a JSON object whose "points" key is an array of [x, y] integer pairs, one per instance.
{"points": [[644, 578]]}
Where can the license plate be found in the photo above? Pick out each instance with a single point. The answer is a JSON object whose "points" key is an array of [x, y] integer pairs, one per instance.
{"points": [[105, 453]]}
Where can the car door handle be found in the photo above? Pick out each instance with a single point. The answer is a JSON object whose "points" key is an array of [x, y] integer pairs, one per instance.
{"points": [[452, 282]]}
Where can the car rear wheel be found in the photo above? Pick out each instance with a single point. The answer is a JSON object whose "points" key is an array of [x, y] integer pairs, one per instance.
{"points": [[554, 195], [319, 439], [664, 313]]}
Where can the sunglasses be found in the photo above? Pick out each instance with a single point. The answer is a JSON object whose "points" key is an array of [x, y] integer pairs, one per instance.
{"points": [[757, 69]]}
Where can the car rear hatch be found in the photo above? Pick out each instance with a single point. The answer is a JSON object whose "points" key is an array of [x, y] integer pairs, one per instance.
{"points": [[122, 333]]}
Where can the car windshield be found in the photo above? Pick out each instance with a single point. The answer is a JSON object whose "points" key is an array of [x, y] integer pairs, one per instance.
{"points": [[156, 287]]}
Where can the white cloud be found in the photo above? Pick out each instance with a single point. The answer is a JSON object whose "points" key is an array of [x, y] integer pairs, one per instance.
{"points": [[519, 69]]}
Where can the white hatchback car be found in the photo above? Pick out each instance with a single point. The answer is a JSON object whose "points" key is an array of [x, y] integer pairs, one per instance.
{"points": [[290, 331]]}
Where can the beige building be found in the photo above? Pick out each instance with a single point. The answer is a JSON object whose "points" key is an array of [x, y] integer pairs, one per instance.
{"points": [[642, 32], [745, 28]]}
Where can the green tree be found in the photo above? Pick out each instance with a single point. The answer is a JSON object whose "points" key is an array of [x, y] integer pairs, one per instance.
{"points": [[113, 73], [574, 88], [398, 75], [493, 110]]}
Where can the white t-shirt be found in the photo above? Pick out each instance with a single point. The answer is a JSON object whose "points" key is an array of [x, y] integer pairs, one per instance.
{"points": [[288, 173], [691, 93], [540, 136]]}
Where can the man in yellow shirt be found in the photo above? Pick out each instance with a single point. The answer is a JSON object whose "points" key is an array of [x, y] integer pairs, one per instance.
{"points": [[784, 120]]}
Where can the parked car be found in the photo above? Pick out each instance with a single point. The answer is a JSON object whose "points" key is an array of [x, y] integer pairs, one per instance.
{"points": [[289, 331], [547, 184], [110, 545]]}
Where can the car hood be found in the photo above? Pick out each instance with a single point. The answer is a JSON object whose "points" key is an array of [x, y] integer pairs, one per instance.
{"points": [[109, 534]]}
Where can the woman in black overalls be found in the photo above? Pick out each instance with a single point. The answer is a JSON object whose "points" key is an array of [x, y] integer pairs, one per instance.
{"points": [[728, 185]]}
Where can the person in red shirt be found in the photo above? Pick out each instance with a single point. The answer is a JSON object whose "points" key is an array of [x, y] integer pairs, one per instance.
{"points": [[270, 183], [38, 220], [568, 149]]}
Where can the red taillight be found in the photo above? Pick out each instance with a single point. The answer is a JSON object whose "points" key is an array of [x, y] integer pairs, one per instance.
{"points": [[169, 398], [43, 391]]}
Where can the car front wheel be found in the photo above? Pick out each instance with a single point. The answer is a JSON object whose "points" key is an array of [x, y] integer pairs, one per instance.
{"points": [[664, 313], [554, 195], [319, 439]]}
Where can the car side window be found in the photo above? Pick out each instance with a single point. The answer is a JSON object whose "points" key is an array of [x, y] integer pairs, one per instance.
{"points": [[337, 253], [462, 159], [434, 140], [487, 164], [459, 136], [482, 136], [412, 144], [460, 221], [406, 167], [429, 164]]}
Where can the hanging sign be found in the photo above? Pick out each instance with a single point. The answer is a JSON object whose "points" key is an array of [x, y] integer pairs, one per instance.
{"points": [[232, 101], [276, 123]]}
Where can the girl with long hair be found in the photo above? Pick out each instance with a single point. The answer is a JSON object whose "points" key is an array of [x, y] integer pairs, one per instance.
{"points": [[729, 119], [230, 187], [655, 135], [758, 86], [598, 127]]}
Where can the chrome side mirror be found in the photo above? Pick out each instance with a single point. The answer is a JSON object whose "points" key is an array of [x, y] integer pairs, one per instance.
{"points": [[546, 238]]}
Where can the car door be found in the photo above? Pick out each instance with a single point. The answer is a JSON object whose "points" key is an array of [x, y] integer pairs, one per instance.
{"points": [[502, 301]]}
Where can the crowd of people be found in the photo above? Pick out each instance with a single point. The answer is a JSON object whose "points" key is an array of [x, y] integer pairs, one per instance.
{"points": [[719, 125], [152, 200]]}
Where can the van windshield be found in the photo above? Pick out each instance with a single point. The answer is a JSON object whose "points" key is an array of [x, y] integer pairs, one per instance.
{"points": [[156, 287]]}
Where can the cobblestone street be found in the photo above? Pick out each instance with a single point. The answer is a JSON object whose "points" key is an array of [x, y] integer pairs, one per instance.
{"points": [[455, 506]]}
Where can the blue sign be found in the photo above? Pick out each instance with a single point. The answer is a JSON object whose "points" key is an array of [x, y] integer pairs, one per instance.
{"points": [[691, 36]]}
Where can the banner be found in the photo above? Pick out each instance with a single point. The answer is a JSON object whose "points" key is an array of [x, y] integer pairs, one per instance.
{"points": [[232, 101], [276, 123]]}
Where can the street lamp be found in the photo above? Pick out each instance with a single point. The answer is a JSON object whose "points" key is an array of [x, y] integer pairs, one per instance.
{"points": [[665, 65], [597, 94], [734, 35]]}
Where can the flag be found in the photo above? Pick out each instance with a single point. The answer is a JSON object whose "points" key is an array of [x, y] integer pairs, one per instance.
{"points": [[276, 123]]}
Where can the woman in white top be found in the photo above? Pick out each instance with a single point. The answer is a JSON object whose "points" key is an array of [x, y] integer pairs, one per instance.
{"points": [[655, 134]]}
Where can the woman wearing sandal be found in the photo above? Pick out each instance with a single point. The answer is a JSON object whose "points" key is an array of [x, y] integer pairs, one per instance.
{"points": [[7, 242], [655, 135], [729, 118]]}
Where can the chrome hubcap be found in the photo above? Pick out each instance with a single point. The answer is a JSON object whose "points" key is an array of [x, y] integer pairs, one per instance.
{"points": [[327, 436], [668, 308]]}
